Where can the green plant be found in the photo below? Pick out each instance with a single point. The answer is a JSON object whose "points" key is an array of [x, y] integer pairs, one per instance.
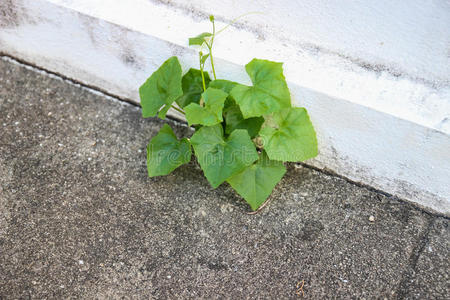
{"points": [[243, 133]]}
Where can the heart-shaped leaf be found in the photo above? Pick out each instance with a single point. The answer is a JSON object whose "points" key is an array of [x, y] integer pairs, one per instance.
{"points": [[269, 92], [162, 87], [235, 120], [221, 158], [289, 135], [165, 152], [211, 113], [256, 182], [192, 87], [226, 86]]}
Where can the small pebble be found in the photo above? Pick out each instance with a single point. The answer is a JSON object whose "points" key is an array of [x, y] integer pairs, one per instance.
{"points": [[81, 262], [372, 219]]}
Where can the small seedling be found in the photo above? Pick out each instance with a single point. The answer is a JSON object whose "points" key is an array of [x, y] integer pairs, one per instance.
{"points": [[243, 134]]}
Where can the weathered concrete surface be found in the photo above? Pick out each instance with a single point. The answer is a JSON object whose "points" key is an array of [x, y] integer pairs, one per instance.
{"points": [[429, 273], [79, 217], [96, 43]]}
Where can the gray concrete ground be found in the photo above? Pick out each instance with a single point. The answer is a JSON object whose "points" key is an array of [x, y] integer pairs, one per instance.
{"points": [[80, 219]]}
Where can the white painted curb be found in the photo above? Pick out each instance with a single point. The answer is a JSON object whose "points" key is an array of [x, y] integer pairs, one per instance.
{"points": [[376, 126]]}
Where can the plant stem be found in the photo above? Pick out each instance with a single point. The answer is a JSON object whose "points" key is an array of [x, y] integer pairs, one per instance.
{"points": [[203, 78], [212, 62], [203, 81], [177, 109], [210, 49], [202, 65], [200, 54]]}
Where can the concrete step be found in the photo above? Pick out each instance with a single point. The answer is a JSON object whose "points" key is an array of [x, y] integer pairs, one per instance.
{"points": [[375, 79]]}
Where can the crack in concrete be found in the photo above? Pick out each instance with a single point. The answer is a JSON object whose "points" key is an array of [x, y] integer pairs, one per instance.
{"points": [[424, 239]]}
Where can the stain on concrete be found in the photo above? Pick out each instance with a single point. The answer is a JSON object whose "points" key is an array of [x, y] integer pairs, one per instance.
{"points": [[261, 34], [124, 40], [90, 24], [11, 13], [14, 13], [187, 9], [177, 50], [127, 53], [198, 15], [215, 264], [407, 189], [444, 124], [128, 58], [311, 230]]}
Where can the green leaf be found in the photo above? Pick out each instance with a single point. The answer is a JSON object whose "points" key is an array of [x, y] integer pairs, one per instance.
{"points": [[211, 113], [221, 158], [256, 182], [269, 92], [162, 113], [203, 59], [162, 87], [199, 39], [165, 152], [226, 86], [289, 135], [235, 120], [192, 87]]}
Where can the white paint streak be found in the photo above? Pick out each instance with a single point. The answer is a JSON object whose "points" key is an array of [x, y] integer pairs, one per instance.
{"points": [[381, 128]]}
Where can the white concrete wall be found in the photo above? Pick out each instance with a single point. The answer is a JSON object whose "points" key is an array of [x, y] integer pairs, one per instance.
{"points": [[404, 37], [373, 75]]}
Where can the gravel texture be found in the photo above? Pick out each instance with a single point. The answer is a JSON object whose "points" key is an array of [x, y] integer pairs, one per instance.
{"points": [[79, 218]]}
